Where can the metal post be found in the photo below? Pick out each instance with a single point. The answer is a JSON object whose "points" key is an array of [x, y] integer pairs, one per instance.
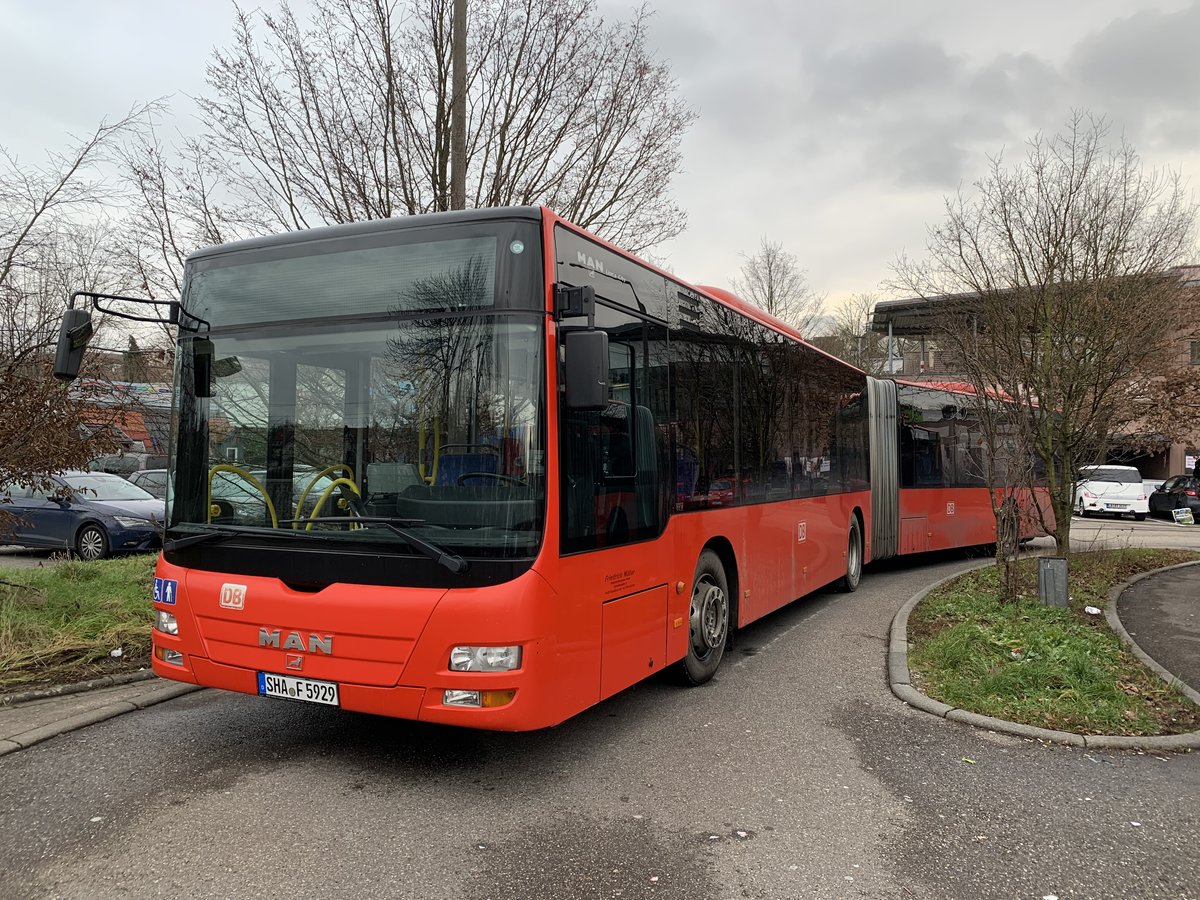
{"points": [[458, 108], [1052, 581]]}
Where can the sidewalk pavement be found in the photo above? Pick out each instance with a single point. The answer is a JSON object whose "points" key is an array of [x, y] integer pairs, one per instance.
{"points": [[23, 724], [1163, 610]]}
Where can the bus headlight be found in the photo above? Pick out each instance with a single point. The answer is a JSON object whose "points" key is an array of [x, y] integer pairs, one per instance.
{"points": [[485, 659], [165, 622]]}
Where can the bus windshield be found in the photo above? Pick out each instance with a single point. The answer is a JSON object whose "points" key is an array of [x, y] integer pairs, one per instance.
{"points": [[356, 431]]}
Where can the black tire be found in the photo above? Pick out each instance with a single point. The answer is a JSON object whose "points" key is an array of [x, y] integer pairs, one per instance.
{"points": [[854, 559], [1083, 513], [708, 621], [91, 542], [1139, 517]]}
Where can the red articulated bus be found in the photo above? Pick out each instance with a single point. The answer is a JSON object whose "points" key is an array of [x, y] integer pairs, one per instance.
{"points": [[484, 469]]}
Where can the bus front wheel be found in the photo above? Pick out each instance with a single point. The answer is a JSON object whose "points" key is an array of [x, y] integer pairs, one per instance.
{"points": [[854, 558], [708, 621]]}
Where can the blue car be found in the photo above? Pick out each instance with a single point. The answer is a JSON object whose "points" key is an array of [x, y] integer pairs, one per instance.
{"points": [[89, 514]]}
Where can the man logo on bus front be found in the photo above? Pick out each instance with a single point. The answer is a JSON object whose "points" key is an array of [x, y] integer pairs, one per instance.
{"points": [[317, 643]]}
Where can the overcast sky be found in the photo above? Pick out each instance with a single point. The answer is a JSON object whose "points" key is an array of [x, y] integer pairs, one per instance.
{"points": [[835, 129]]}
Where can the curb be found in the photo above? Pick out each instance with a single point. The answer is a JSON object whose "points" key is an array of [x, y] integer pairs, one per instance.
{"points": [[901, 685], [62, 690]]}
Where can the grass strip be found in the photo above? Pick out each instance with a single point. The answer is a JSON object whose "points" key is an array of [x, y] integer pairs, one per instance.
{"points": [[1062, 669], [61, 622]]}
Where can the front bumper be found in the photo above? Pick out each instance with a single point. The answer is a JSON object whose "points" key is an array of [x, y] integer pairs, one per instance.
{"points": [[134, 540], [1115, 507]]}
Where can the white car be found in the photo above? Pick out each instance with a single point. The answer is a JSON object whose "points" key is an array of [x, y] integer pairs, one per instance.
{"points": [[1114, 490]]}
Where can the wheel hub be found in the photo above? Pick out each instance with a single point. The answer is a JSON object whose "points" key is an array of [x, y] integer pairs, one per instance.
{"points": [[709, 616], [91, 544]]}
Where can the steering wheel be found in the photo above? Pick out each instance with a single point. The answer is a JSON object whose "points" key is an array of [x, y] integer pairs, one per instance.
{"points": [[502, 479]]}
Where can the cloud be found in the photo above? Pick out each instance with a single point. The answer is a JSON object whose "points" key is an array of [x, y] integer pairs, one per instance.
{"points": [[1011, 83], [933, 158], [1142, 72], [862, 79], [1150, 57]]}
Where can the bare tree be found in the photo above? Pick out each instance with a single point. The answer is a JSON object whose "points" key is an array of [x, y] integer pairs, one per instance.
{"points": [[347, 117], [178, 207], [54, 238], [1054, 278], [848, 335], [773, 281]]}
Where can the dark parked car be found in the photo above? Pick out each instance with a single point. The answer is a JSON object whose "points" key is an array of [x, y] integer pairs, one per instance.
{"points": [[152, 480], [90, 514], [1180, 492]]}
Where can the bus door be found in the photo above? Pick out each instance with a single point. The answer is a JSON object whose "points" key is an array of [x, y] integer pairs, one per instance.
{"points": [[615, 493]]}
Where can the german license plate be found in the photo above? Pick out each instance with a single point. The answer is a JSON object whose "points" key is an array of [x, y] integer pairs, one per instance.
{"points": [[288, 687], [1116, 506]]}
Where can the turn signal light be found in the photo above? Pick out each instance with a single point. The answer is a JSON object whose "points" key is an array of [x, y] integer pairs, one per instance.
{"points": [[173, 657], [478, 699]]}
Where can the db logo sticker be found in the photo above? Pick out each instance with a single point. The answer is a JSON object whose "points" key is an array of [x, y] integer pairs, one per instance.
{"points": [[801, 532], [233, 596], [950, 509]]}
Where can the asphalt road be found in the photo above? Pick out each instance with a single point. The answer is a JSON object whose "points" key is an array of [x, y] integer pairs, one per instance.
{"points": [[796, 773], [1163, 616]]}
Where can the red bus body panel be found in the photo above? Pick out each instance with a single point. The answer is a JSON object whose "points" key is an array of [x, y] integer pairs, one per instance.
{"points": [[941, 518], [945, 518]]}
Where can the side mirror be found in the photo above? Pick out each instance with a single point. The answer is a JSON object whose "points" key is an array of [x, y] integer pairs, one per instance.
{"points": [[73, 338], [586, 370]]}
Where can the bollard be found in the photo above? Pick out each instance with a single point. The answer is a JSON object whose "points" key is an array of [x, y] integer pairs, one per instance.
{"points": [[1052, 581]]}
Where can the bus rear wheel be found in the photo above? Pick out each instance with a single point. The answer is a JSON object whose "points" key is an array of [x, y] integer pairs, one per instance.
{"points": [[854, 558], [708, 621]]}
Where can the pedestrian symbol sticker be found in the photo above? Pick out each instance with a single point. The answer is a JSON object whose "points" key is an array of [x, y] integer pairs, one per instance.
{"points": [[165, 590]]}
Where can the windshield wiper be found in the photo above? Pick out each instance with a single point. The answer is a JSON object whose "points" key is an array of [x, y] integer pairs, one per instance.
{"points": [[222, 531], [451, 561]]}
